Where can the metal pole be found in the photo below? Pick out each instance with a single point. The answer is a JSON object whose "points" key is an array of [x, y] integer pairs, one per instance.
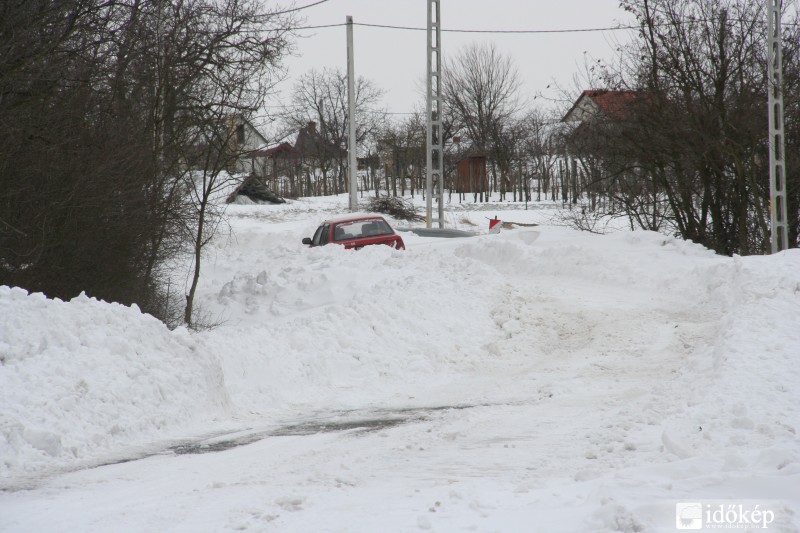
{"points": [[777, 163], [434, 155], [352, 161]]}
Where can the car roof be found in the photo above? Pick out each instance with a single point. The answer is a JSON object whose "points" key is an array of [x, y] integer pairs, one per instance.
{"points": [[353, 218]]}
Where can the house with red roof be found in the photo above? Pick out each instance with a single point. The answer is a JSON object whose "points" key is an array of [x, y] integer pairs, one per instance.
{"points": [[284, 163], [593, 103], [272, 161]]}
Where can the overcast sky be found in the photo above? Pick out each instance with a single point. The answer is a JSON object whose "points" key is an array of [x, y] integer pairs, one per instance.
{"points": [[395, 59]]}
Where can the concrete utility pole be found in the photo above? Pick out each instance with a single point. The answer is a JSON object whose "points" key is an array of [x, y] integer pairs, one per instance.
{"points": [[777, 163], [434, 154], [352, 161]]}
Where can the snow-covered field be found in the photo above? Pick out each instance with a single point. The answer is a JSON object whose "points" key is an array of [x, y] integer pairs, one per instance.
{"points": [[540, 379]]}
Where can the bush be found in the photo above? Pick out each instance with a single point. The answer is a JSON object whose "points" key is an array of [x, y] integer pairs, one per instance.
{"points": [[396, 207]]}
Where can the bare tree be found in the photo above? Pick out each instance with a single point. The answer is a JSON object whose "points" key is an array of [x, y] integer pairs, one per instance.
{"points": [[73, 157], [510, 143], [237, 52], [539, 151], [100, 104], [320, 96], [480, 90], [402, 148], [691, 152]]}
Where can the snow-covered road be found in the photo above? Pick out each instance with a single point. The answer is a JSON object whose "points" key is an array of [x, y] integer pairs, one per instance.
{"points": [[541, 380]]}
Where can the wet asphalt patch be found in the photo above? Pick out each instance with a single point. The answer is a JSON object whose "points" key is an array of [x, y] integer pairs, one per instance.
{"points": [[293, 430]]}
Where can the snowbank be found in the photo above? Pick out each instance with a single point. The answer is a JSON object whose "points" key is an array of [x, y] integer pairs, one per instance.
{"points": [[81, 378], [577, 380]]}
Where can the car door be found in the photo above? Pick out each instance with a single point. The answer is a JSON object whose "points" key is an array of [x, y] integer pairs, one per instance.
{"points": [[320, 237]]}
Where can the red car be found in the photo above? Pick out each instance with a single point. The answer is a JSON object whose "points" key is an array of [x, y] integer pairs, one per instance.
{"points": [[356, 232]]}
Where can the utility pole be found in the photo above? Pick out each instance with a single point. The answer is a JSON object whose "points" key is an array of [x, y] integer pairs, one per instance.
{"points": [[777, 163], [434, 155], [352, 161]]}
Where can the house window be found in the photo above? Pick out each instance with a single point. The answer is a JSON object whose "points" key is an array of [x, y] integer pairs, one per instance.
{"points": [[240, 134]]}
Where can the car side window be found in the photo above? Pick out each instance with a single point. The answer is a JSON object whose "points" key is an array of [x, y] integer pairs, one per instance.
{"points": [[315, 238], [320, 236], [377, 227]]}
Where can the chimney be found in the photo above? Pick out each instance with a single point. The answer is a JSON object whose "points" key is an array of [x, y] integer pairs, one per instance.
{"points": [[312, 127]]}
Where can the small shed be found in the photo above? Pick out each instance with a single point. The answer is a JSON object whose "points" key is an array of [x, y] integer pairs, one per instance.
{"points": [[471, 175]]}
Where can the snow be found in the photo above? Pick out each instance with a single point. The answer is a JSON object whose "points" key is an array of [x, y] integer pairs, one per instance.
{"points": [[539, 379]]}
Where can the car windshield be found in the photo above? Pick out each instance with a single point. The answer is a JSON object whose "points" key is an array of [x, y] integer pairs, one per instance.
{"points": [[361, 228]]}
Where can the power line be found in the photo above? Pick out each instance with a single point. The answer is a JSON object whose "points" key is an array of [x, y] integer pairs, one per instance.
{"points": [[298, 8], [314, 27], [387, 26], [412, 28], [519, 32], [293, 108]]}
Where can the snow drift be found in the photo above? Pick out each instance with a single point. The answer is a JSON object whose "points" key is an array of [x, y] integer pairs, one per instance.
{"points": [[622, 369]]}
